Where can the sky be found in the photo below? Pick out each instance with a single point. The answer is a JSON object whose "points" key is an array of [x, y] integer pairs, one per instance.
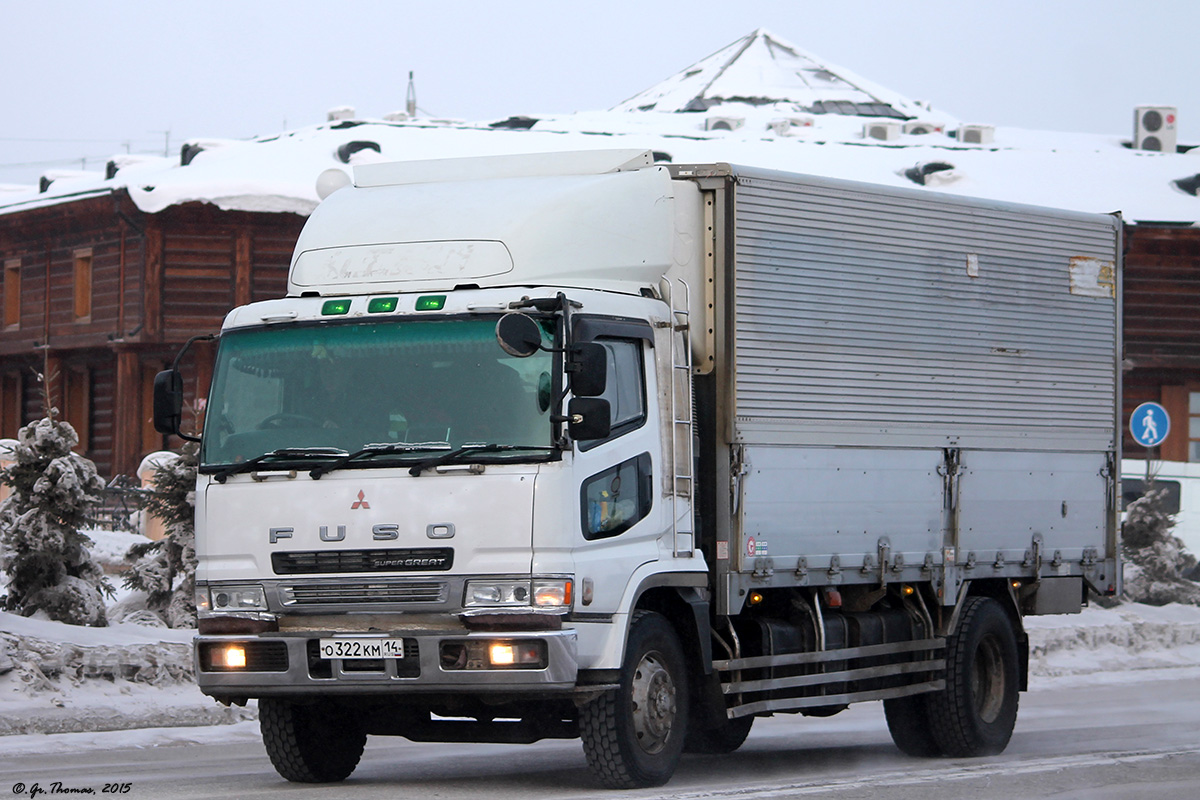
{"points": [[81, 81]]}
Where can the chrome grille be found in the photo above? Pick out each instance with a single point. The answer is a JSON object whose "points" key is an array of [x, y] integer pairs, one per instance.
{"points": [[311, 594], [409, 559]]}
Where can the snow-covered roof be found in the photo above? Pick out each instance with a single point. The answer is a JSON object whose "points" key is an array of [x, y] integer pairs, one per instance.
{"points": [[765, 103]]}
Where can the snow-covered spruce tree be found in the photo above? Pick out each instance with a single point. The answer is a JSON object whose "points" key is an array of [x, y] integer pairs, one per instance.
{"points": [[1156, 561], [46, 558], [166, 569]]}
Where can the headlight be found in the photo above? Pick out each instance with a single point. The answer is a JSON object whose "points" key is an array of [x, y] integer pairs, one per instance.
{"points": [[541, 592], [237, 598], [496, 593]]}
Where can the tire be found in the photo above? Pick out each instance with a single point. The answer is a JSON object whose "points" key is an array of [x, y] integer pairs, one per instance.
{"points": [[310, 743], [908, 722], [633, 736], [721, 739], [976, 713]]}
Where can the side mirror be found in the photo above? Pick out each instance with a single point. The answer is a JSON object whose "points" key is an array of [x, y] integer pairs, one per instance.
{"points": [[518, 335], [589, 369], [168, 401], [588, 418]]}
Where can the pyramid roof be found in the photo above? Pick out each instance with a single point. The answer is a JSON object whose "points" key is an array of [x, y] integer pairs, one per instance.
{"points": [[760, 69]]}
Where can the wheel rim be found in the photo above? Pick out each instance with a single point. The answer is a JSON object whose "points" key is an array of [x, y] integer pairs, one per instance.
{"points": [[987, 679], [652, 695]]}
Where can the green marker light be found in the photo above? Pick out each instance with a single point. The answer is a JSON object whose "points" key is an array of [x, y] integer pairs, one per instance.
{"points": [[431, 302], [335, 307], [382, 305]]}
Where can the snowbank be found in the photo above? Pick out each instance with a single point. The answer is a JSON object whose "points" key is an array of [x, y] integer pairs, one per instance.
{"points": [[73, 678], [67, 678], [1129, 637]]}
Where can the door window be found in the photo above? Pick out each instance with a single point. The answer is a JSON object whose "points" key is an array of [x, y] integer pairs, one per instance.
{"points": [[625, 388], [617, 498]]}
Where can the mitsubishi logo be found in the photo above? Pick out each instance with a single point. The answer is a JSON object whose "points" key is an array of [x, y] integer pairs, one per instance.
{"points": [[361, 502]]}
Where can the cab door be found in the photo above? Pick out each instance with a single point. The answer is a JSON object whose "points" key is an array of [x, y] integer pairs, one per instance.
{"points": [[619, 514]]}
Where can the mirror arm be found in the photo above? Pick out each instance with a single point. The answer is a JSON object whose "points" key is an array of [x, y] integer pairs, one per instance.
{"points": [[203, 337]]}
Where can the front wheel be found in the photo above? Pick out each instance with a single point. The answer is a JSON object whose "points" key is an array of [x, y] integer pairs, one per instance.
{"points": [[310, 743], [976, 713], [633, 736]]}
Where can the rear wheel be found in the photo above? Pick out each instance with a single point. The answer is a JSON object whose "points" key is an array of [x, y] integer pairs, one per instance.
{"points": [[976, 713], [633, 736], [908, 722], [718, 739], [310, 743]]}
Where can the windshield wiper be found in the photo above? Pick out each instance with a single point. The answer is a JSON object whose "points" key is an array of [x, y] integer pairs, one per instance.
{"points": [[283, 452], [467, 450], [385, 448]]}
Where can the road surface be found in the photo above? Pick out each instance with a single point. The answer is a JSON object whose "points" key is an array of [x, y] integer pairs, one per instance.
{"points": [[1128, 735]]}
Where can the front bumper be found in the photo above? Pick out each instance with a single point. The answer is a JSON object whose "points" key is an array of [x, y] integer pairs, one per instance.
{"points": [[290, 664]]}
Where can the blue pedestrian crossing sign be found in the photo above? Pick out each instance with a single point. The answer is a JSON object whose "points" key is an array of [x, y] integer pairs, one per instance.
{"points": [[1149, 424]]}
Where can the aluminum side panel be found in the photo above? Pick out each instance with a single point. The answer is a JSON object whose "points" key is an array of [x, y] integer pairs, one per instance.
{"points": [[870, 317], [819, 502], [1006, 498]]}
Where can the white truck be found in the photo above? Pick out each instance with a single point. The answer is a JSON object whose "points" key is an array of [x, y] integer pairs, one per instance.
{"points": [[581, 445]]}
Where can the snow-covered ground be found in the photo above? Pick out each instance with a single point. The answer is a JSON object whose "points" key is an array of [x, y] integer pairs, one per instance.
{"points": [[130, 677]]}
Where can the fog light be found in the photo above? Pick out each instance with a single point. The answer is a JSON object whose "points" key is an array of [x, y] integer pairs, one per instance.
{"points": [[529, 655], [482, 654], [232, 657], [502, 655]]}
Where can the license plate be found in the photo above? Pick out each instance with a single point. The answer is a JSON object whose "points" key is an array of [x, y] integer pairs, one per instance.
{"points": [[361, 647]]}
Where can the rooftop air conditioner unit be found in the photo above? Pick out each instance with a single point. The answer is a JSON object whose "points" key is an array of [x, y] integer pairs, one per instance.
{"points": [[785, 126], [884, 131], [1154, 128], [724, 123], [920, 127], [339, 113], [976, 134]]}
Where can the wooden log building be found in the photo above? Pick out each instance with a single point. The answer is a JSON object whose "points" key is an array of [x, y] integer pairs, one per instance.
{"points": [[100, 296], [1162, 333]]}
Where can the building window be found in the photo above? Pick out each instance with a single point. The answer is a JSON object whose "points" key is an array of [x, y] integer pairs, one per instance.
{"points": [[12, 293], [1193, 426], [83, 285]]}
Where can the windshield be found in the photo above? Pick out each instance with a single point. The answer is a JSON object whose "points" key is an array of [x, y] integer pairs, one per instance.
{"points": [[343, 386]]}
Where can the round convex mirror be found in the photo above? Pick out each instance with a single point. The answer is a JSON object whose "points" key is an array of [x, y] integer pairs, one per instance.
{"points": [[518, 335]]}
